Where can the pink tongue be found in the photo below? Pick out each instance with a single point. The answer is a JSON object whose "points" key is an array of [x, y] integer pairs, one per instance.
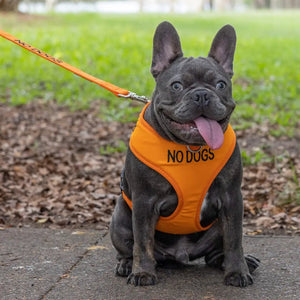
{"points": [[211, 132]]}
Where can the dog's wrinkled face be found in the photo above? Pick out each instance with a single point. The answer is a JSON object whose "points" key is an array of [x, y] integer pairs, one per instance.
{"points": [[193, 97]]}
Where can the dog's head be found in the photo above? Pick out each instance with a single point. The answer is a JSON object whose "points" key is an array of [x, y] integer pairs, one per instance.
{"points": [[192, 101]]}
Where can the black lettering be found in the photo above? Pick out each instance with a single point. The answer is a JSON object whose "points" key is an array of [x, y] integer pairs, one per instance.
{"points": [[189, 156], [212, 155], [49, 56], [37, 51], [197, 156], [171, 156], [22, 43], [204, 155], [179, 156]]}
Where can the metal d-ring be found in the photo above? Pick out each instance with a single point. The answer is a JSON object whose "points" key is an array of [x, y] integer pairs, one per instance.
{"points": [[194, 151]]}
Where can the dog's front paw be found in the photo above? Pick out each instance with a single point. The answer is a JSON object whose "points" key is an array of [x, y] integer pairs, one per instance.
{"points": [[238, 279], [142, 278], [124, 267]]}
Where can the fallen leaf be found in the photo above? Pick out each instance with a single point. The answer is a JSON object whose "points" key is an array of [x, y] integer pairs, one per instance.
{"points": [[255, 232], [96, 247], [42, 221], [78, 232], [52, 172]]}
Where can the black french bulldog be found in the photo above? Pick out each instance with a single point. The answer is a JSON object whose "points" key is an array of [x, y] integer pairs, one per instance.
{"points": [[191, 106]]}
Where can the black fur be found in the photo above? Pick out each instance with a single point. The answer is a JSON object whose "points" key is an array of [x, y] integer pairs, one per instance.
{"points": [[133, 233]]}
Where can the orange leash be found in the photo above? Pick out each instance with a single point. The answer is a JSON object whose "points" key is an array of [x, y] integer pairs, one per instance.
{"points": [[119, 92]]}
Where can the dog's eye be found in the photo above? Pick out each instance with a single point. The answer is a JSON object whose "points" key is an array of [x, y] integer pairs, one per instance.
{"points": [[221, 85], [177, 86]]}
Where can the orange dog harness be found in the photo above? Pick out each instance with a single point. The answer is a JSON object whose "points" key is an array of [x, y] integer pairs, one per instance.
{"points": [[190, 173]]}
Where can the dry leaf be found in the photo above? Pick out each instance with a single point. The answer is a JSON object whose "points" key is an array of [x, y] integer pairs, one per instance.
{"points": [[52, 172], [96, 247], [79, 232], [42, 221]]}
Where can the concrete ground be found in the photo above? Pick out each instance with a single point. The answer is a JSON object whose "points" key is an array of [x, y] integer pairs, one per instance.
{"points": [[74, 264]]}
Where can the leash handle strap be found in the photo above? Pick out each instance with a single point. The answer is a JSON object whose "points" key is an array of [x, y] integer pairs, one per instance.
{"points": [[119, 92]]}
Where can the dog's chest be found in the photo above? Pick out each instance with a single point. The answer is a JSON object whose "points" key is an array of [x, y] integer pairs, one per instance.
{"points": [[189, 172]]}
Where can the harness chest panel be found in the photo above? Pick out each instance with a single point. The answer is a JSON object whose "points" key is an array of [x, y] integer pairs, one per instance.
{"points": [[190, 174]]}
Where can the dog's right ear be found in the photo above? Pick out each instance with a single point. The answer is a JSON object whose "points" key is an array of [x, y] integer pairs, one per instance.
{"points": [[166, 48]]}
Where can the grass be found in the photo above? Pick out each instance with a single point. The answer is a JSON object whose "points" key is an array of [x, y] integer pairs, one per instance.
{"points": [[254, 158], [118, 49], [120, 147]]}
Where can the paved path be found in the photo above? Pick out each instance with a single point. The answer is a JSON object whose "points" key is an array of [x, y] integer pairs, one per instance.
{"points": [[69, 264]]}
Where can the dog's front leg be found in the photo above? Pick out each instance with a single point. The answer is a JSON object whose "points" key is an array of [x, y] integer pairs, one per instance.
{"points": [[236, 268], [144, 219]]}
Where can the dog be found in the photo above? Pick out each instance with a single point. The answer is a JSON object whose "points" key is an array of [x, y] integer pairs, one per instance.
{"points": [[181, 185]]}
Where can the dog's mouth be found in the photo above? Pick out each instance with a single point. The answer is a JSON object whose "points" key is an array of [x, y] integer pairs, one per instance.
{"points": [[211, 131]]}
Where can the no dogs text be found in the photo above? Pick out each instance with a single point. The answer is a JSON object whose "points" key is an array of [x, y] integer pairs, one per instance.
{"points": [[178, 156]]}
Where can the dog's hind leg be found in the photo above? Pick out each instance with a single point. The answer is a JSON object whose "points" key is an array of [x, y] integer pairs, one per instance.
{"points": [[215, 259]]}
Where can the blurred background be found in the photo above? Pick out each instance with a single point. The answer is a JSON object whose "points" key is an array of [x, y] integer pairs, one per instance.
{"points": [[131, 6]]}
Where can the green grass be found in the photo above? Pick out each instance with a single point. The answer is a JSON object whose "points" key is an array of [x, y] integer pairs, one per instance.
{"points": [[254, 158], [119, 147], [118, 49]]}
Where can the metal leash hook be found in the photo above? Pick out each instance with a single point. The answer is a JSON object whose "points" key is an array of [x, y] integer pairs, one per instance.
{"points": [[134, 96]]}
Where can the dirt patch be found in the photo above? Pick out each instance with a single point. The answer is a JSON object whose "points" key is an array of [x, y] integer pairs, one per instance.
{"points": [[271, 187], [62, 168]]}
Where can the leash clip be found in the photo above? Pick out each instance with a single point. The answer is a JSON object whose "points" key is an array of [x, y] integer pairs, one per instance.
{"points": [[134, 96]]}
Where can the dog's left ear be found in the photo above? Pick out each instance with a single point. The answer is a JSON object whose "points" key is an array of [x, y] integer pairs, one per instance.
{"points": [[223, 47]]}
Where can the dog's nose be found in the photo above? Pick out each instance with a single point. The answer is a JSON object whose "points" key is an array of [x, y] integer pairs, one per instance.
{"points": [[201, 97]]}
